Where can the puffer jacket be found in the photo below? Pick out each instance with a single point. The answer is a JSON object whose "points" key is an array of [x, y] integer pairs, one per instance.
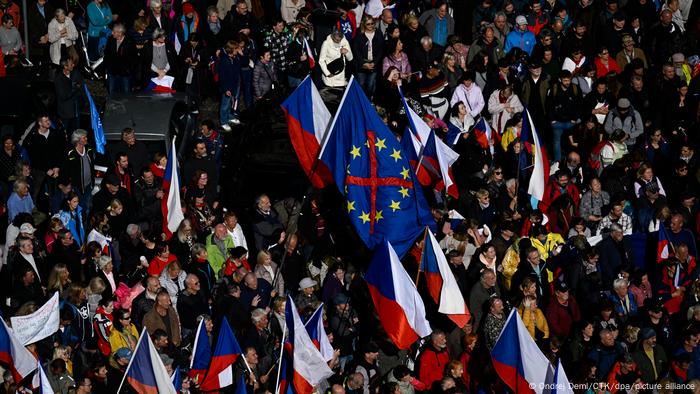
{"points": [[173, 286], [329, 52]]}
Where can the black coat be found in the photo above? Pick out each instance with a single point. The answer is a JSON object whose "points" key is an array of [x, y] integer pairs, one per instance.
{"points": [[120, 61], [46, 152], [38, 26], [359, 51], [70, 94]]}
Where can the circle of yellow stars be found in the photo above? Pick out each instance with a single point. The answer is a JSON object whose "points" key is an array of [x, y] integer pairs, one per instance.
{"points": [[404, 192]]}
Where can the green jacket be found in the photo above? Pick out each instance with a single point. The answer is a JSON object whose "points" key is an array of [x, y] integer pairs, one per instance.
{"points": [[216, 258]]}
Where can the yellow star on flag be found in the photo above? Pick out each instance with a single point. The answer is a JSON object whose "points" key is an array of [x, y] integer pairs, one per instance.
{"points": [[355, 152], [351, 206], [405, 174], [395, 205], [378, 216], [396, 155], [364, 217], [380, 144], [403, 191]]}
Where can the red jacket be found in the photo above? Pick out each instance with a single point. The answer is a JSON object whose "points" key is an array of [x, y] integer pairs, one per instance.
{"points": [[432, 365], [561, 318], [553, 191]]}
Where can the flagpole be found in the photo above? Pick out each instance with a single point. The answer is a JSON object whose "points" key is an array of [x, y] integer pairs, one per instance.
{"points": [[279, 367], [143, 334]]}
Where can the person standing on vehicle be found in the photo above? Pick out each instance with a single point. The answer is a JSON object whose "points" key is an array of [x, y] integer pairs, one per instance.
{"points": [[70, 93]]}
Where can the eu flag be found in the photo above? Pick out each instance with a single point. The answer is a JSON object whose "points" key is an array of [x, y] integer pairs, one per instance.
{"points": [[384, 200], [96, 124]]}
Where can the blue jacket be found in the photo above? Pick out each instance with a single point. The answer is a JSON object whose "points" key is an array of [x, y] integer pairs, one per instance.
{"points": [[523, 40], [619, 310], [70, 222], [229, 73], [99, 17]]}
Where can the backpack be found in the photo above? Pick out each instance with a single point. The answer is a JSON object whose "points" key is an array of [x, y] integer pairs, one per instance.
{"points": [[594, 162]]}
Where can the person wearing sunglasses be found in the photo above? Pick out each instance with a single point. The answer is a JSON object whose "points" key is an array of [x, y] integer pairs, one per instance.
{"points": [[123, 333]]}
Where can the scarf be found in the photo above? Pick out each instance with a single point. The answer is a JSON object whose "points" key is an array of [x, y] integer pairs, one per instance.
{"points": [[190, 27]]}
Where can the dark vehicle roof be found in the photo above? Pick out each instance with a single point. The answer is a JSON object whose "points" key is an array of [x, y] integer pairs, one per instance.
{"points": [[148, 113]]}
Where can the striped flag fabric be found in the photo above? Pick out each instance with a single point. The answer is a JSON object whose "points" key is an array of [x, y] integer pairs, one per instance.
{"points": [[396, 299], [309, 366], [201, 354], [517, 359], [170, 204], [317, 333], [663, 246], [226, 352], [14, 355], [540, 171], [441, 282], [146, 372]]}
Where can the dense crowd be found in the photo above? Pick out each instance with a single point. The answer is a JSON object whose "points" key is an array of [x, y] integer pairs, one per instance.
{"points": [[610, 86]]}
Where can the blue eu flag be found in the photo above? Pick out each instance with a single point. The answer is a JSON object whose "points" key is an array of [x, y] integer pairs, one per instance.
{"points": [[384, 200], [96, 123]]}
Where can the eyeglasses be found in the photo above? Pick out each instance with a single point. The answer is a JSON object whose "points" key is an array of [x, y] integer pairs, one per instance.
{"points": [[126, 318], [369, 24], [497, 172]]}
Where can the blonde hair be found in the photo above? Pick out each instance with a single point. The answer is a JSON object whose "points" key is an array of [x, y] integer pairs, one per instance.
{"points": [[260, 258], [96, 286], [114, 205], [54, 282]]}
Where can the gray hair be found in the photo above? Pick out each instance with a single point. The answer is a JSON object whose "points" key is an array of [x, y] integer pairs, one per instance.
{"points": [[103, 261], [156, 3], [619, 282], [133, 229], [615, 227], [500, 14], [190, 279], [257, 314], [426, 40], [212, 10], [18, 184], [511, 182], [119, 27], [77, 135], [59, 12], [197, 249], [158, 32]]}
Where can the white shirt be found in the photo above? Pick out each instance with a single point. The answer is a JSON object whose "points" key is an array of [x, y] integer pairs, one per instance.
{"points": [[238, 236]]}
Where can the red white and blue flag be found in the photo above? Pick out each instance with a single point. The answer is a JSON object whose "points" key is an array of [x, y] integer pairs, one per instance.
{"points": [[434, 156], [317, 333], [170, 204], [663, 248], [161, 85], [561, 384], [517, 359], [146, 372], [441, 282], [396, 299], [540, 172], [40, 382], [14, 355], [307, 122], [308, 365], [226, 352], [201, 354]]}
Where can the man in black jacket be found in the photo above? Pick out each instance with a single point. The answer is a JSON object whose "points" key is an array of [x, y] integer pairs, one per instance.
{"points": [[79, 167], [563, 107], [46, 147], [39, 14], [119, 60], [70, 93]]}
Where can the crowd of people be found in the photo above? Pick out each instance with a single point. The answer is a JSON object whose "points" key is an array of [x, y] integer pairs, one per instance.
{"points": [[610, 86]]}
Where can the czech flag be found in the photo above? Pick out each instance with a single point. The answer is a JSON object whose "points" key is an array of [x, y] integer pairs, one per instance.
{"points": [[227, 351], [396, 298], [14, 355], [170, 204], [40, 382], [517, 359], [201, 354], [161, 85], [434, 156], [663, 247], [484, 134], [540, 172], [441, 282], [310, 368], [561, 384], [307, 122], [146, 372], [317, 333]]}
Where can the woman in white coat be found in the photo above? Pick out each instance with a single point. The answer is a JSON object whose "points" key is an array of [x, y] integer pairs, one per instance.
{"points": [[62, 36], [334, 47], [503, 104]]}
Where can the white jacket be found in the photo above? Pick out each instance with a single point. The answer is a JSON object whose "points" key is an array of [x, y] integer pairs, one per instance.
{"points": [[329, 52], [290, 10], [55, 38], [171, 286], [499, 115]]}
